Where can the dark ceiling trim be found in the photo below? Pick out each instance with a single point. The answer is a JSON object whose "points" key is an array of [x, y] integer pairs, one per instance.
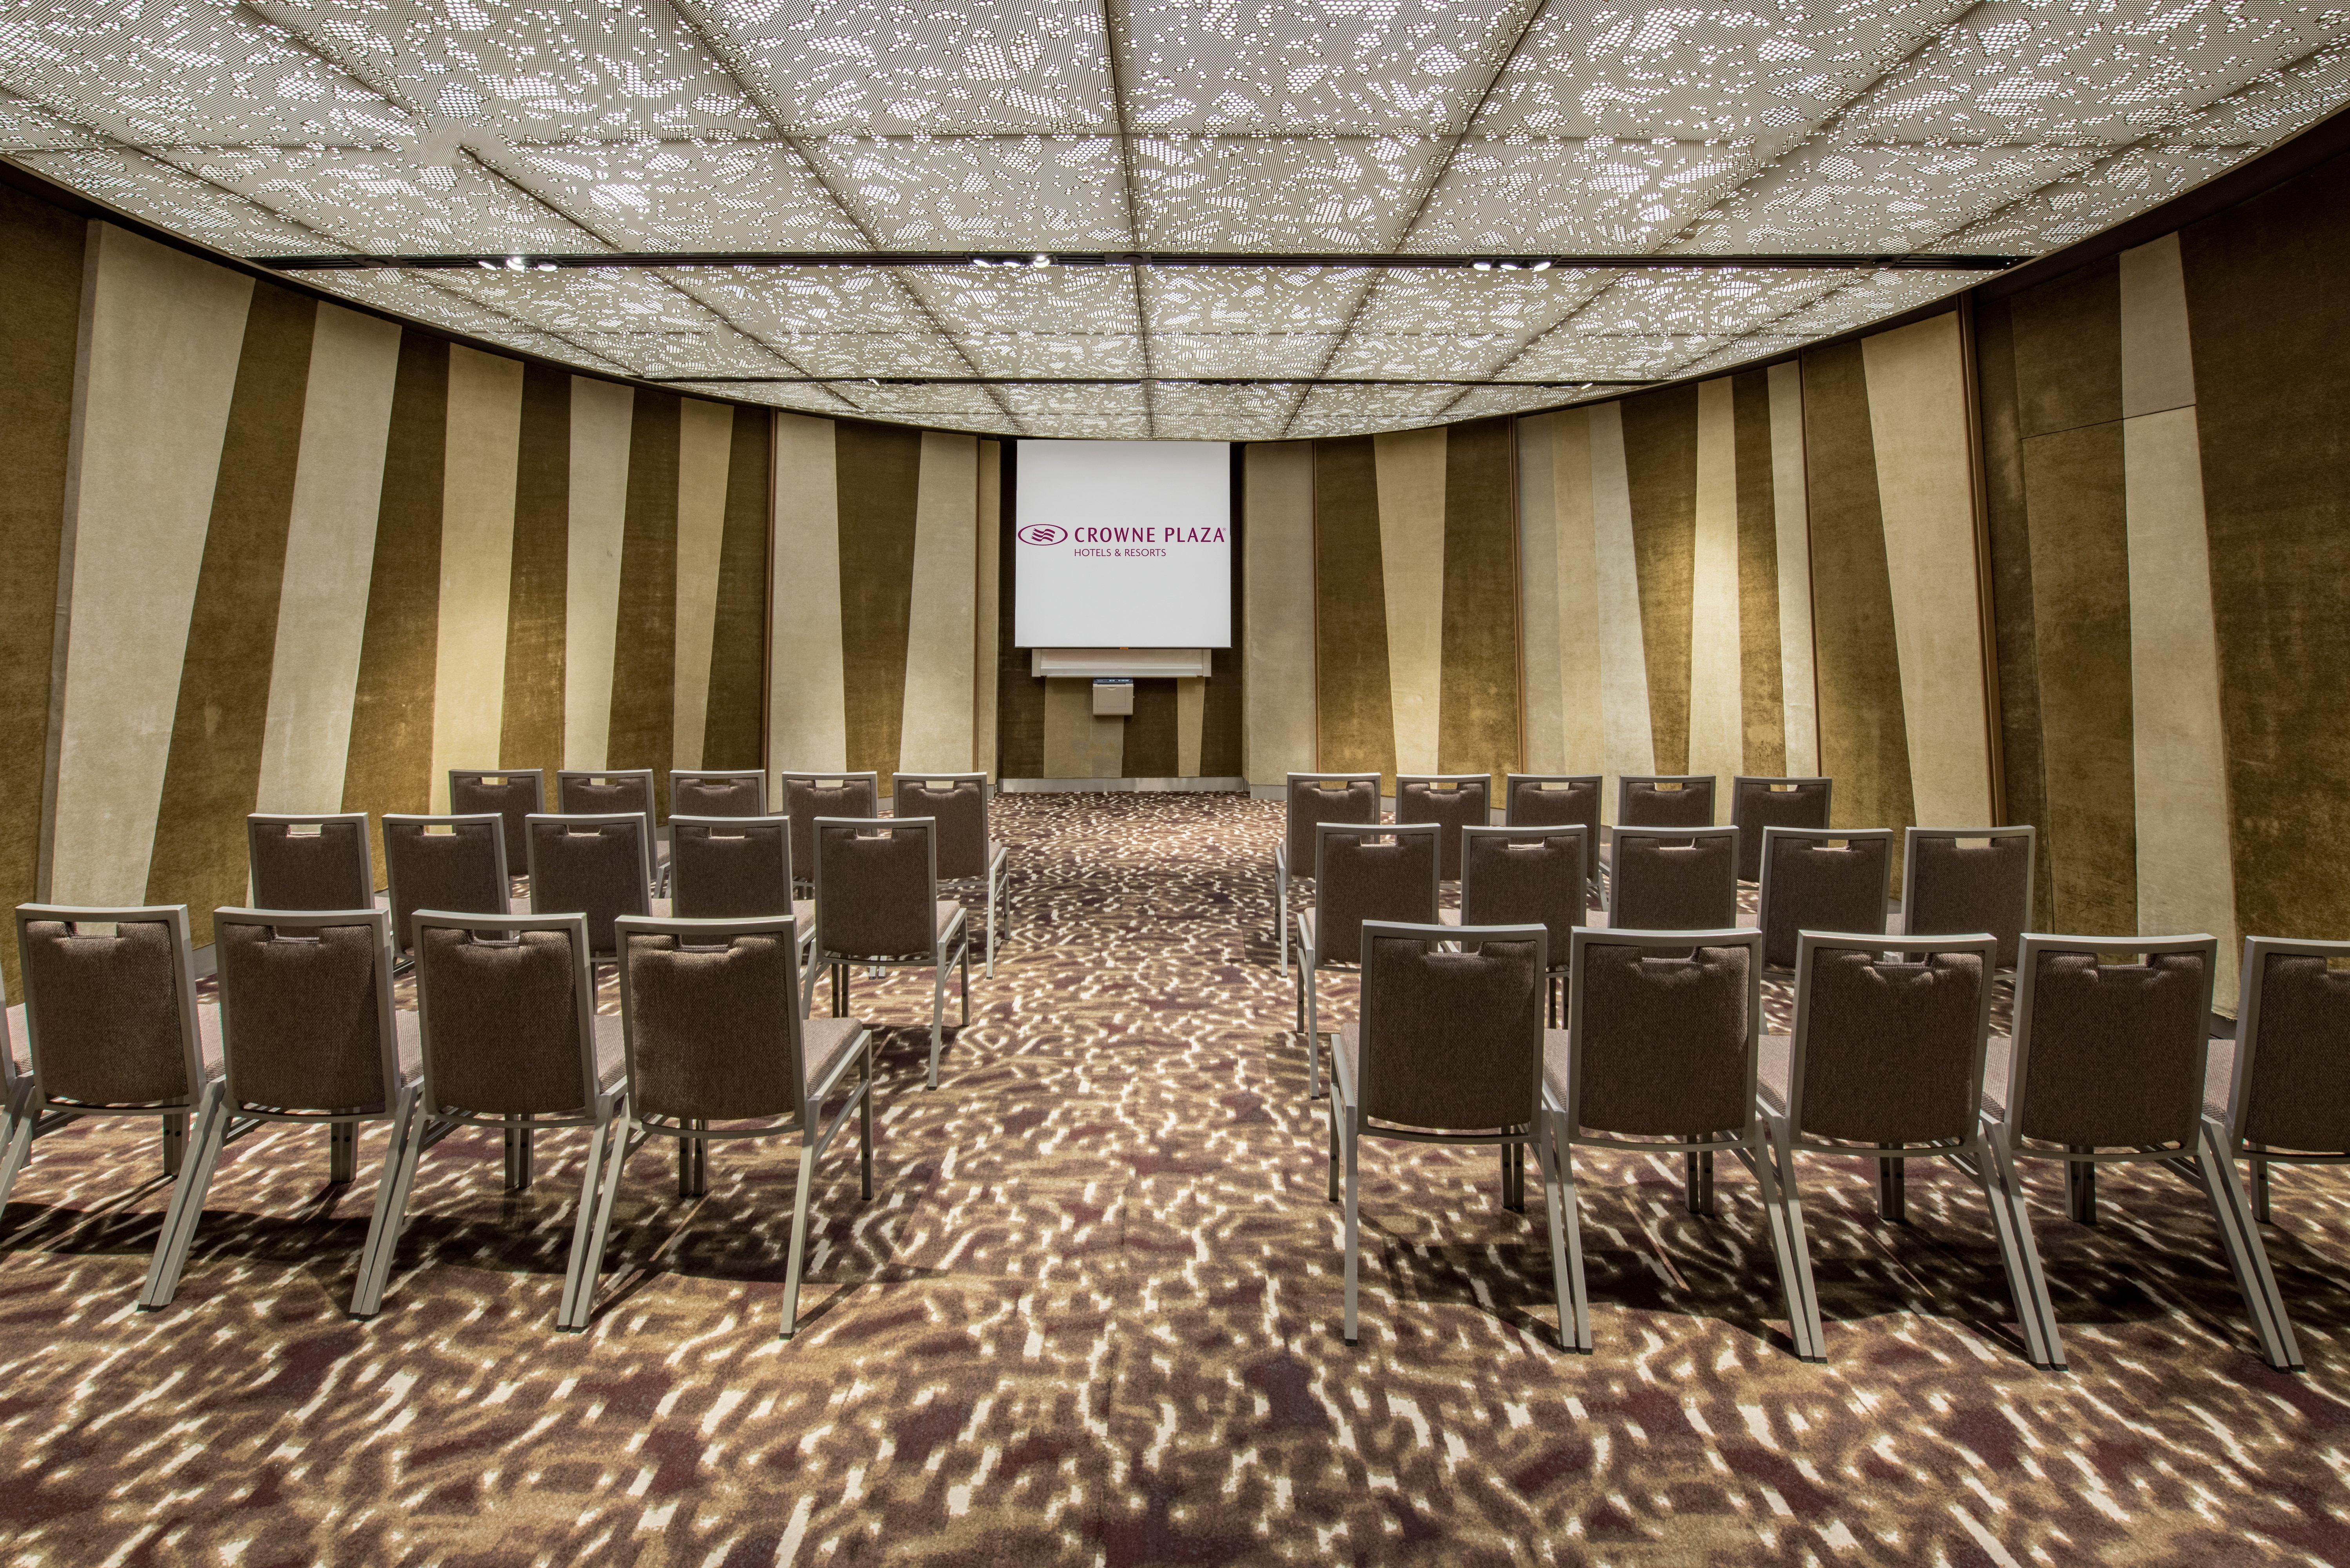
{"points": [[1560, 383], [1337, 260]]}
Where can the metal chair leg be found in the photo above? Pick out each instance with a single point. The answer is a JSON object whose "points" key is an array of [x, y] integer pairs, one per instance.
{"points": [[1893, 1191], [1799, 1238], [2044, 1339], [2081, 1189], [395, 1150], [342, 1153], [799, 1232], [518, 1153], [1763, 1161], [1350, 1153], [1281, 912], [188, 1191], [1567, 1237], [175, 1144], [938, 1010], [1698, 1164], [2260, 1190], [607, 1152], [375, 1273], [2247, 1258], [865, 1125], [693, 1165]]}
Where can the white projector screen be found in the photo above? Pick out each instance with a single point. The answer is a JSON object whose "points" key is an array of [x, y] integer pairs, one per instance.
{"points": [[1123, 543]]}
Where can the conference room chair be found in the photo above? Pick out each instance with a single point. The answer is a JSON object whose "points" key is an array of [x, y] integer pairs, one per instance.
{"points": [[1957, 879], [1451, 801], [693, 793], [599, 866], [510, 1039], [969, 858], [308, 1036], [1526, 877], [1447, 1049], [1660, 1055], [1664, 800], [1314, 799], [808, 796], [1756, 804], [2288, 1066], [583, 793], [456, 863], [1362, 872], [735, 868], [309, 862], [877, 904], [2109, 1065], [713, 1033], [516, 794], [111, 1028], [1820, 879], [1558, 800], [1886, 1060], [1683, 880]]}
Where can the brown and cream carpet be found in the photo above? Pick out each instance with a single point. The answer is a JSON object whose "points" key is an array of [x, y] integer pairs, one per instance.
{"points": [[1091, 1316]]}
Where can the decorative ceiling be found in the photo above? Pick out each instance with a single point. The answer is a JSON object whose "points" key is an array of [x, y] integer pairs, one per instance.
{"points": [[1146, 150]]}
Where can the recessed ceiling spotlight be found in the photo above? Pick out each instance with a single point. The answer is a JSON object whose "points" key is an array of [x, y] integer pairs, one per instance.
{"points": [[547, 266], [1540, 266], [980, 261], [514, 264], [1482, 267], [487, 266], [1509, 266], [1040, 260]]}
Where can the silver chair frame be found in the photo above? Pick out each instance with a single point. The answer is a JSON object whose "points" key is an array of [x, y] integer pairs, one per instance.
{"points": [[2258, 950], [999, 858], [603, 819], [822, 778], [1624, 783], [2031, 836], [1282, 873], [495, 820], [1673, 837], [1774, 836], [1554, 984], [1739, 782], [257, 820], [537, 775], [1593, 869], [1458, 781], [1310, 964], [720, 826], [951, 945], [756, 775]]}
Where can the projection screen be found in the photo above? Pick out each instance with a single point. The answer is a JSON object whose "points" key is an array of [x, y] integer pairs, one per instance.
{"points": [[1123, 543]]}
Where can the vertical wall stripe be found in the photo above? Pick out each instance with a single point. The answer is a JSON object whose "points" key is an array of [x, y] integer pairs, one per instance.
{"points": [[1277, 627], [1410, 469], [1762, 704], [1353, 714], [985, 536], [808, 723], [1076, 744], [602, 415], [1791, 516], [1624, 715], [705, 441], [1717, 742], [2068, 351], [879, 500], [477, 523], [530, 723], [738, 650], [1917, 401], [935, 730], [1020, 719], [1223, 701], [1477, 729], [644, 684], [165, 336], [1191, 717], [2158, 368], [214, 773], [1584, 660], [1660, 462], [1149, 742], [1538, 591]]}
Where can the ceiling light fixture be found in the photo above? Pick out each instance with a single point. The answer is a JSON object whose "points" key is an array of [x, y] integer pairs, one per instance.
{"points": [[545, 267], [514, 264], [1040, 260], [1483, 265], [1540, 266]]}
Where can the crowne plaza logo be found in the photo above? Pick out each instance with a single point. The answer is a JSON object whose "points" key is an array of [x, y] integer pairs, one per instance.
{"points": [[1043, 533]]}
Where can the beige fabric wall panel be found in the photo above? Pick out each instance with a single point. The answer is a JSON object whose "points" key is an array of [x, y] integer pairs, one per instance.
{"points": [[1794, 521], [807, 726], [1277, 588], [477, 519], [986, 608], [1583, 661], [941, 636], [1762, 709], [1190, 724], [1916, 404], [1412, 475], [164, 333], [1079, 745], [705, 443], [1625, 724], [602, 413], [330, 549], [1717, 742], [1541, 692], [2157, 363]]}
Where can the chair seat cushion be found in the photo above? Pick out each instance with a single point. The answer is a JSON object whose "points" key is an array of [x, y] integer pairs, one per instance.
{"points": [[406, 1024], [949, 912], [2217, 1069], [208, 1036], [20, 1057], [1347, 1064], [822, 1043], [1448, 917], [1775, 1063], [1554, 1064], [611, 1057]]}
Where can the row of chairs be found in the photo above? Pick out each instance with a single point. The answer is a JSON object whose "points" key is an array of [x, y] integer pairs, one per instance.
{"points": [[1891, 1057]]}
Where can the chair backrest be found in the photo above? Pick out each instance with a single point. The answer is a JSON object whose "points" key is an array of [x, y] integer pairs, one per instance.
{"points": [[1664, 800], [696, 794], [1558, 800], [1525, 876], [958, 804], [306, 1009], [1668, 880], [1756, 804], [711, 1012], [599, 866], [1820, 879], [729, 867], [1317, 798], [515, 794], [1452, 1039], [1890, 1050], [507, 1008], [1370, 872], [110, 1018], [445, 863], [600, 792], [1451, 801], [2293, 1047], [310, 862], [877, 887], [1950, 884], [1664, 1034], [808, 796], [2111, 1055]]}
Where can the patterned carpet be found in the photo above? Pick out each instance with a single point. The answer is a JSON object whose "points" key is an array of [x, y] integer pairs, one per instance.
{"points": [[1091, 1316]]}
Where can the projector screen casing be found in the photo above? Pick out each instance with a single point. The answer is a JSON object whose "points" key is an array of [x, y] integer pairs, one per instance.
{"points": [[1123, 543]]}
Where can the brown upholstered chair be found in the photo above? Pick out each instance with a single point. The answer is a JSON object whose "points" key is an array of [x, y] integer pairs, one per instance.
{"points": [[1558, 800], [310, 862], [694, 793], [969, 856], [1361, 873], [735, 868], [1451, 801], [308, 1034], [1660, 1055], [1312, 800], [1664, 800], [808, 796], [1757, 804], [1526, 877], [580, 792], [446, 863], [1950, 883], [511, 1039], [877, 904], [1820, 879], [1886, 1060], [2109, 1065], [515, 794], [714, 1036], [2288, 1068], [1668, 881], [112, 1028], [599, 866], [1449, 1050]]}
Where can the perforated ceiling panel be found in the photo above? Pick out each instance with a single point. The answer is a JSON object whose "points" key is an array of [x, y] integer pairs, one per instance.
{"points": [[1093, 130]]}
